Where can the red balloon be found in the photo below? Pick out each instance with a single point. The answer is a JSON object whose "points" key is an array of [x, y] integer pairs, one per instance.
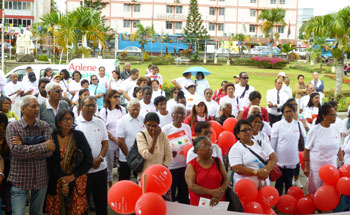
{"points": [[226, 140], [230, 124], [295, 191], [269, 211], [326, 197], [343, 186], [246, 190], [217, 127], [306, 206], [329, 174], [253, 208], [158, 180], [150, 204], [344, 170], [123, 195], [187, 148], [301, 157], [268, 196], [213, 136], [287, 204], [311, 196]]}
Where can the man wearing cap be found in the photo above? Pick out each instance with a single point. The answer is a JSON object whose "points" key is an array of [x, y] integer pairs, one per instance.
{"points": [[191, 95], [242, 91], [183, 81], [275, 99]]}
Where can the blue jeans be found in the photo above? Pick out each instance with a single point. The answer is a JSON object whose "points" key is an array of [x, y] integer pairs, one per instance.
{"points": [[19, 199]]}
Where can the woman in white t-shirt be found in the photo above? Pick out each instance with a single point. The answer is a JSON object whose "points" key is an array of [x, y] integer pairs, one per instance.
{"points": [[110, 114], [65, 82], [172, 102], [164, 115], [74, 85], [213, 106], [146, 103], [191, 96], [257, 125], [266, 128], [311, 110], [242, 160], [116, 83], [201, 84], [230, 97], [179, 135], [323, 146], [81, 94], [284, 140], [156, 89]]}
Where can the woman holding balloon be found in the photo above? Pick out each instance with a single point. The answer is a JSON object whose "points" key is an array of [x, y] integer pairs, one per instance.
{"points": [[203, 177], [244, 162], [322, 146]]}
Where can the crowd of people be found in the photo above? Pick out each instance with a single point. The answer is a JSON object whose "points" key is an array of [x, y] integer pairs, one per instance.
{"points": [[62, 136]]}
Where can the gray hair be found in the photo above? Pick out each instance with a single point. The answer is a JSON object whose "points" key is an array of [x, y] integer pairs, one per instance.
{"points": [[93, 98], [133, 102], [224, 105], [197, 142], [176, 106], [127, 64], [49, 87], [26, 100], [252, 108]]}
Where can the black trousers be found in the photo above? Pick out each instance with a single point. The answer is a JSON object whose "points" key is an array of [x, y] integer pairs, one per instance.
{"points": [[286, 179], [97, 186], [179, 183], [124, 171], [274, 118]]}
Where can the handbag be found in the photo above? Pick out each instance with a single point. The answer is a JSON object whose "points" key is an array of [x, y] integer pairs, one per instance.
{"points": [[301, 143], [134, 160], [234, 202], [275, 173], [77, 158]]}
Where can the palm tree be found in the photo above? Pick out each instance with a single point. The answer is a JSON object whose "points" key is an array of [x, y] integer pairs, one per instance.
{"points": [[240, 38], [271, 18], [337, 26], [141, 35], [288, 50], [51, 22]]}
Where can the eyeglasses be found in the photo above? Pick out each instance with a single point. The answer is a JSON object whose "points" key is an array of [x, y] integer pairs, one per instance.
{"points": [[71, 119], [179, 113], [58, 91], [246, 130], [90, 106], [94, 79], [115, 97], [245, 78]]}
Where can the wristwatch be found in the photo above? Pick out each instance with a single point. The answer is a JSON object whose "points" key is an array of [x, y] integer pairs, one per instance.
{"points": [[101, 157], [255, 172]]}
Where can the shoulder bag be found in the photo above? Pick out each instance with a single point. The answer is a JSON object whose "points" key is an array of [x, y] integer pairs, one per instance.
{"points": [[134, 160], [230, 196], [275, 173], [301, 143]]}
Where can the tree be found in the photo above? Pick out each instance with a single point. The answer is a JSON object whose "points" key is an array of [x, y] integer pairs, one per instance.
{"points": [[97, 5], [337, 26], [194, 32], [240, 38], [141, 35], [271, 18], [53, 6]]}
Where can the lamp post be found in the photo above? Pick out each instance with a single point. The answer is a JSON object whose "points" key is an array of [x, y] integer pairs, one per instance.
{"points": [[2, 37]]}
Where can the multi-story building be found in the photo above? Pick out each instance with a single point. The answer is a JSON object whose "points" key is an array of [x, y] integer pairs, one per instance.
{"points": [[304, 15], [222, 18]]}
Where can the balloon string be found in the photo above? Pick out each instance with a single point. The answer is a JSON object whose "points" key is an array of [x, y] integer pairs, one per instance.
{"points": [[144, 183]]}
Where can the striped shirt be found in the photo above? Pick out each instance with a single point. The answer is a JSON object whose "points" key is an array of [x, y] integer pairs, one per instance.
{"points": [[28, 162]]}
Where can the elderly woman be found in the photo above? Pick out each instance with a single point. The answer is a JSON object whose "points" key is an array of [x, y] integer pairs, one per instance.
{"points": [[153, 144], [67, 168], [226, 110], [244, 162], [257, 125], [179, 135], [322, 146], [199, 114], [205, 177], [230, 97], [284, 140]]}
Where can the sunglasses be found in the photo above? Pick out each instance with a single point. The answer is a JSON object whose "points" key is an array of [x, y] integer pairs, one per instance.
{"points": [[115, 97], [58, 91], [94, 79], [245, 78]]}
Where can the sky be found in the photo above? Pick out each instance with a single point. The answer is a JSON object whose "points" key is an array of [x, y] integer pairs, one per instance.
{"points": [[321, 7]]}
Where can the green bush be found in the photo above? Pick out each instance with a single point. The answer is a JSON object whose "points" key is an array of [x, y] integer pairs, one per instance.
{"points": [[43, 58], [241, 62], [161, 60], [167, 87]]}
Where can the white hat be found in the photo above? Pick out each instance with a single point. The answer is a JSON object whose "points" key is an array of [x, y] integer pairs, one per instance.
{"points": [[189, 84], [281, 74], [197, 101]]}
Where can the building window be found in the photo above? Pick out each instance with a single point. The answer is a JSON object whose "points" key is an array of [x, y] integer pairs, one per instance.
{"points": [[211, 26], [252, 1], [280, 30], [26, 22], [137, 8], [169, 9], [178, 25], [252, 12], [135, 22], [168, 25], [126, 23], [273, 1], [282, 1], [126, 8], [212, 11], [220, 27], [221, 11], [179, 9], [251, 28], [15, 5]]}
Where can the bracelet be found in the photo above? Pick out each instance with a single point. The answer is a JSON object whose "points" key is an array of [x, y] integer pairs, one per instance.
{"points": [[101, 157], [255, 172]]}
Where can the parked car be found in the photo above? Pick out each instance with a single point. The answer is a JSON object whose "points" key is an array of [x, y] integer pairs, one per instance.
{"points": [[301, 52], [131, 50], [264, 50]]}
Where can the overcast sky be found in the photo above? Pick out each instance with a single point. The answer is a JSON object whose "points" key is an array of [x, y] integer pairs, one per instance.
{"points": [[321, 7]]}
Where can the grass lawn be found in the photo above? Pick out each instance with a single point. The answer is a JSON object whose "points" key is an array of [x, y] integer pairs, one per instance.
{"points": [[261, 79]]}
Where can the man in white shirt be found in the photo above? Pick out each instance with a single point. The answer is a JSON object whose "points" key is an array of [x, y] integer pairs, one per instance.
{"points": [[42, 95], [184, 81], [96, 134], [25, 77], [275, 99], [103, 80], [14, 90], [3, 82], [286, 88], [305, 99], [242, 91], [129, 84], [128, 127]]}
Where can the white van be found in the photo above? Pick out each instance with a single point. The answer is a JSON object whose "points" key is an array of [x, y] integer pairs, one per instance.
{"points": [[86, 67]]}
